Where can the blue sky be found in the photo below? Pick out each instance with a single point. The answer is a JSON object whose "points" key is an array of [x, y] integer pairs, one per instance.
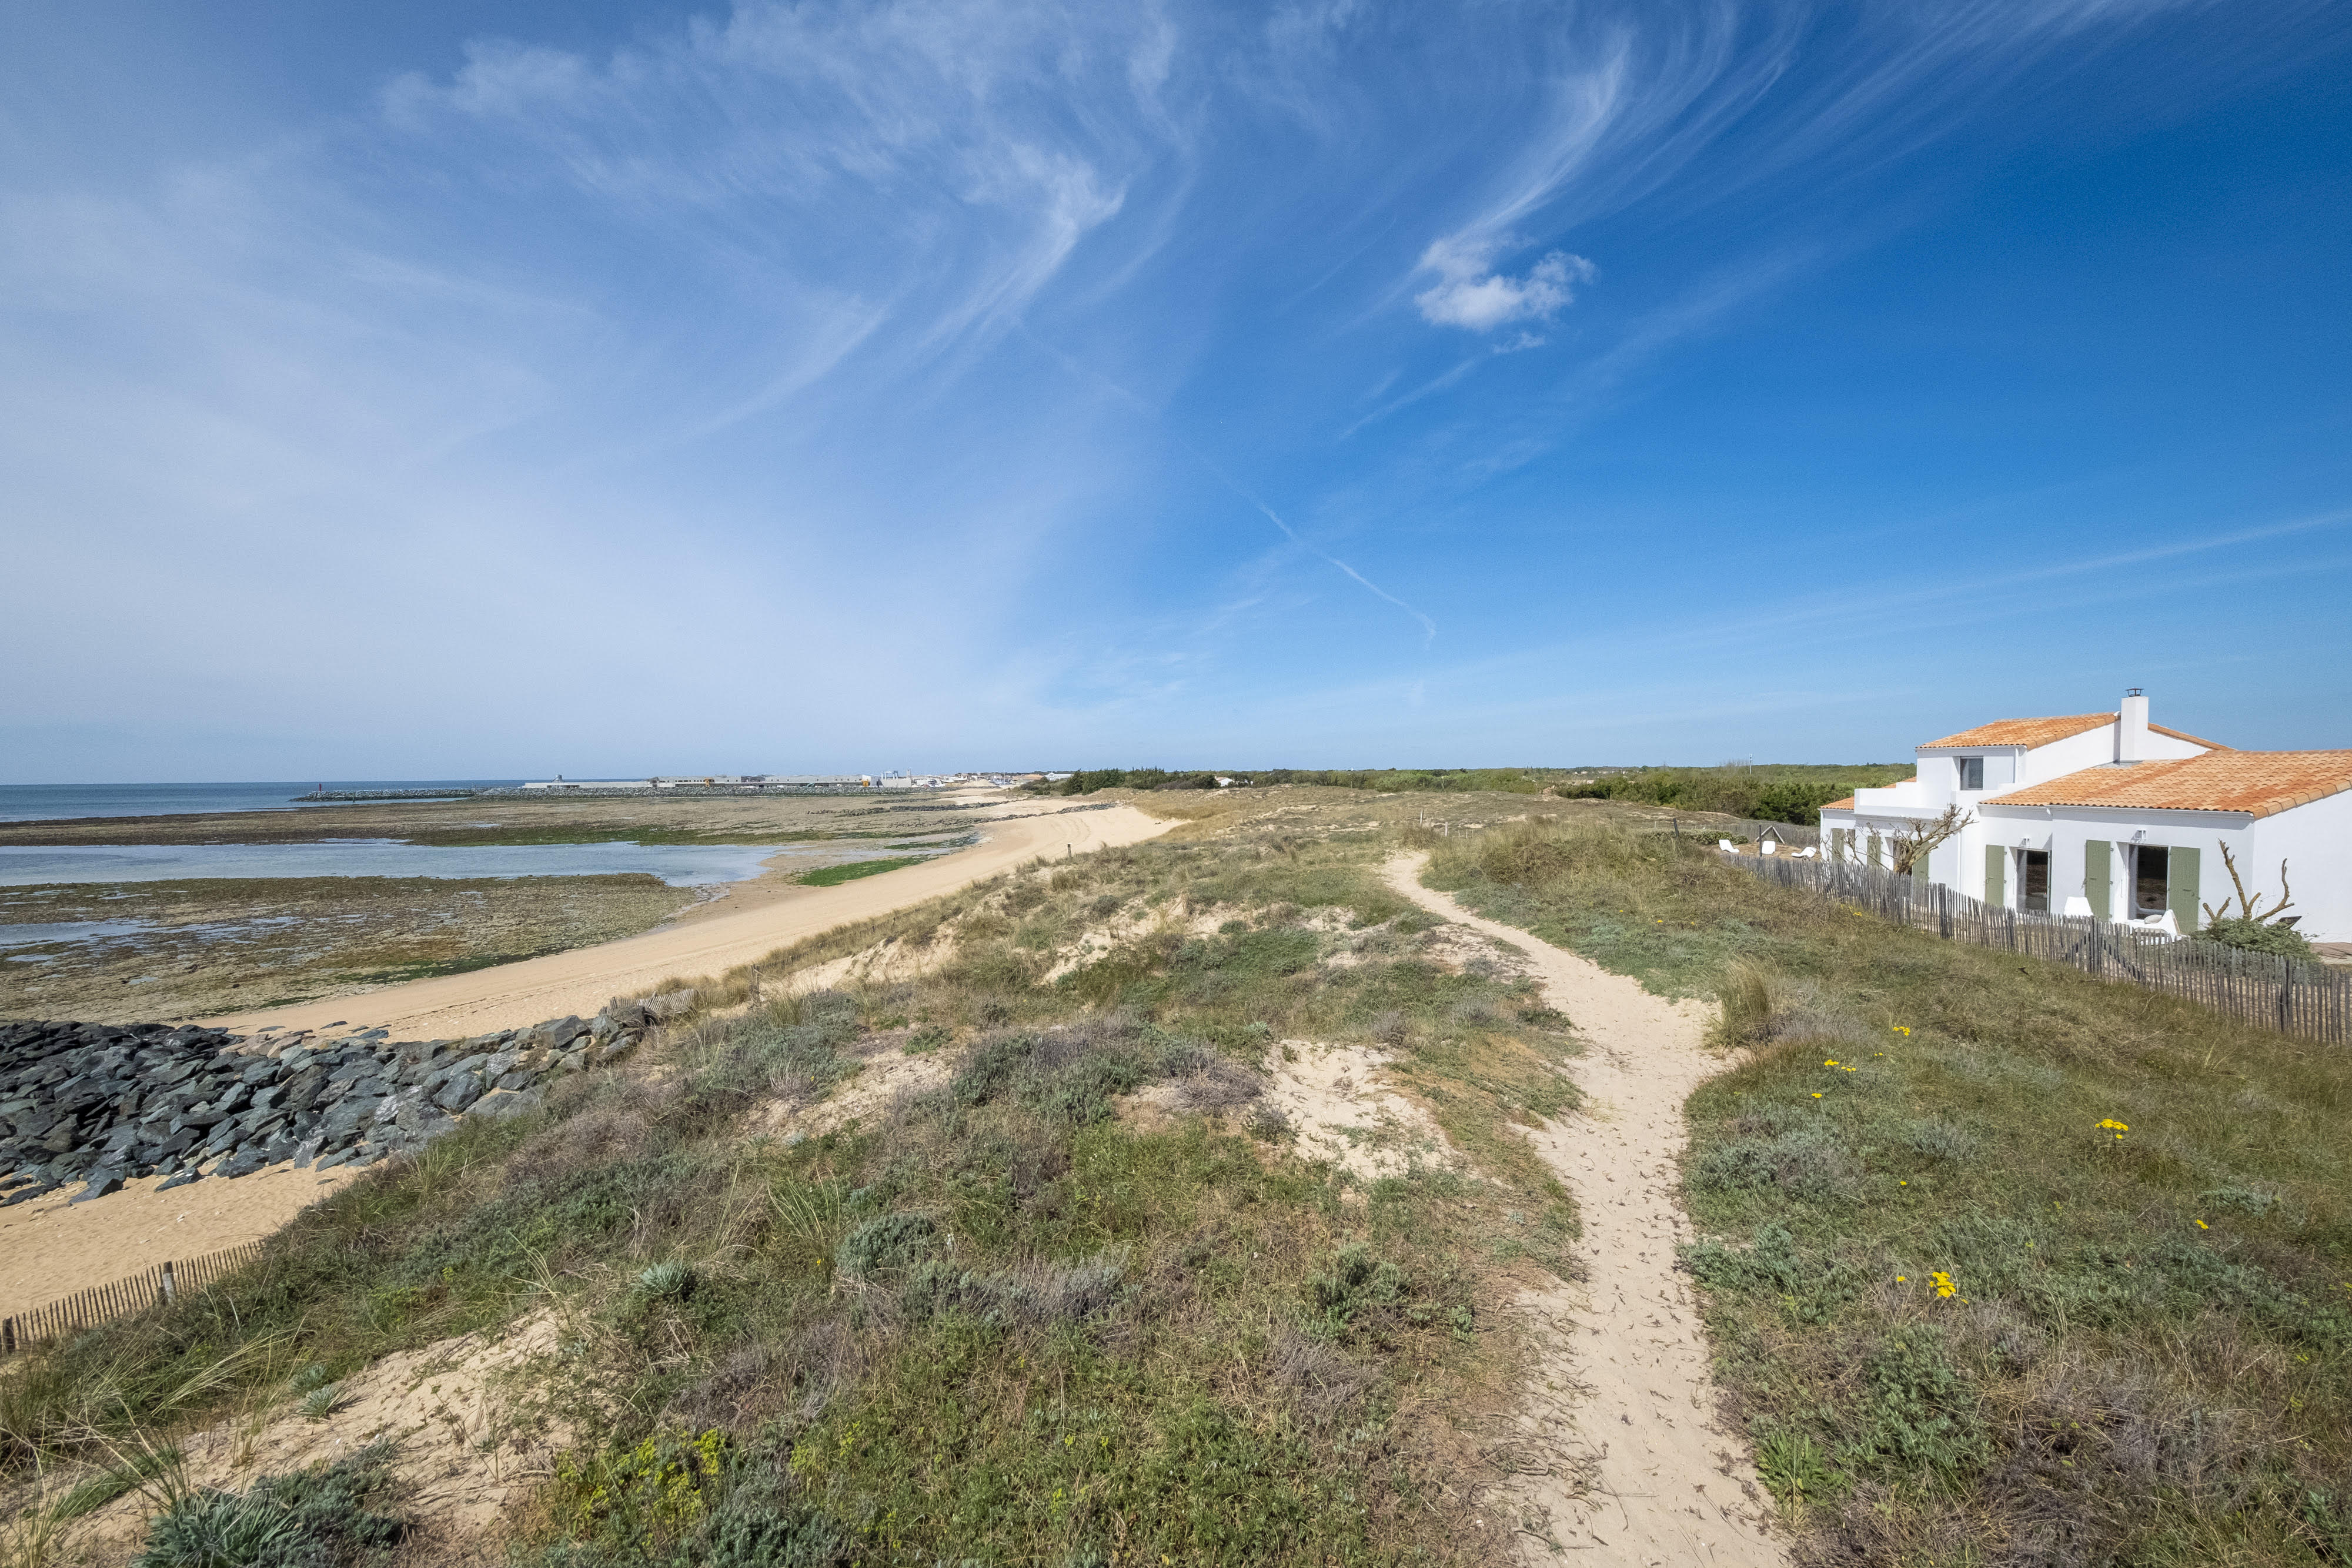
{"points": [[496, 390]]}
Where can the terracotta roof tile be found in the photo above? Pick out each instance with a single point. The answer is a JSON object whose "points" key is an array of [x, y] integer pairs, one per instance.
{"points": [[2259, 783], [2023, 731], [1844, 805], [2191, 739]]}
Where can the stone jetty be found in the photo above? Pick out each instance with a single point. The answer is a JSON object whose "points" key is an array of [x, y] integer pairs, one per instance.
{"points": [[98, 1103]]}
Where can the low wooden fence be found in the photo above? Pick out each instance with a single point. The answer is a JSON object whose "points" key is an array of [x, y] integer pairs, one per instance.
{"points": [[2292, 996], [121, 1297]]}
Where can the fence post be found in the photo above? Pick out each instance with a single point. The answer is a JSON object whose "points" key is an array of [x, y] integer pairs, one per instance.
{"points": [[169, 1290]]}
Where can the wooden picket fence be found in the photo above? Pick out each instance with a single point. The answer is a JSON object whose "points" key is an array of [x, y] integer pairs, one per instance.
{"points": [[86, 1309], [2292, 996]]}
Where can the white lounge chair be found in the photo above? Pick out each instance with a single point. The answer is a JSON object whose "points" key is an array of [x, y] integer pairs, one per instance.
{"points": [[2163, 924], [2078, 908], [1726, 846], [1808, 853]]}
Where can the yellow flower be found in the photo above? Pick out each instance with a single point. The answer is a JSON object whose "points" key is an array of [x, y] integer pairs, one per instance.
{"points": [[1900, 1280], [1817, 1094], [2202, 1225], [1903, 1030], [1831, 1062], [2113, 1125]]}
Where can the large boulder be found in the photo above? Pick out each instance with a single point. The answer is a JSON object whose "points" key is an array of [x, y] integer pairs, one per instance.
{"points": [[668, 1005], [556, 1034], [500, 1104]]}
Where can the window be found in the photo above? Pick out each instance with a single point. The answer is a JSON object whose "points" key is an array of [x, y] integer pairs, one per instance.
{"points": [[2033, 881], [2151, 880], [1971, 772]]}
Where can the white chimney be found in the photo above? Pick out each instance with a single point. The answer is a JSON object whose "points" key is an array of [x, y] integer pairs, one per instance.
{"points": [[2131, 727]]}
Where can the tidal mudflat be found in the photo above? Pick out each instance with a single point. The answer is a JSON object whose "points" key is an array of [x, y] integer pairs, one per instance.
{"points": [[139, 951]]}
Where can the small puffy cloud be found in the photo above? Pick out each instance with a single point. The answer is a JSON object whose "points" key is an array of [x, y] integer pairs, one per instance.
{"points": [[1470, 293]]}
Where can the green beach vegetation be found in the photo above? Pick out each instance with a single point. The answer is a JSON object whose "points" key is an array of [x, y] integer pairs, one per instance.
{"points": [[1771, 792], [1488, 780], [1775, 792], [834, 876], [2002, 1263]]}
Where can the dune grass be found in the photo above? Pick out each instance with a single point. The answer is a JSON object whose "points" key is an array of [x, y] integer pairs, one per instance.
{"points": [[2005, 1264], [992, 1320]]}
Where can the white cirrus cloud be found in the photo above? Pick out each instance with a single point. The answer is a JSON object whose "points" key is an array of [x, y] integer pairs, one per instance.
{"points": [[1470, 292]]}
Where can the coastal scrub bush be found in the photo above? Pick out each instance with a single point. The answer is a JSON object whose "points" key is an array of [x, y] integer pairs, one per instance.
{"points": [[2256, 936]]}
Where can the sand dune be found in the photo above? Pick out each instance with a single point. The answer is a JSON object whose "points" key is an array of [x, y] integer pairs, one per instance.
{"points": [[514, 995]]}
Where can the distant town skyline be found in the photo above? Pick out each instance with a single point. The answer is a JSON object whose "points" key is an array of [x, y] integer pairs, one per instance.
{"points": [[421, 392]]}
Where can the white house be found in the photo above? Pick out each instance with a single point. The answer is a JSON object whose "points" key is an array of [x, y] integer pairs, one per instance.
{"points": [[2129, 817]]}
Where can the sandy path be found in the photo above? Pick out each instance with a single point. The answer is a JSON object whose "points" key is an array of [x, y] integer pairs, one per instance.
{"points": [[1635, 1468], [513, 995]]}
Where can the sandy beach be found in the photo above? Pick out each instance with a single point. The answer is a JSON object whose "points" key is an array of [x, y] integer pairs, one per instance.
{"points": [[52, 1246], [717, 938]]}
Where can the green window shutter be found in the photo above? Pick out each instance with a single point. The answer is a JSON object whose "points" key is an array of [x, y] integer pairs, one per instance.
{"points": [[2098, 877], [1996, 875], [2184, 888]]}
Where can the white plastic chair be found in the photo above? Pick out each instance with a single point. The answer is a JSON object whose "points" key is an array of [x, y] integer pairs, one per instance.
{"points": [[2078, 908]]}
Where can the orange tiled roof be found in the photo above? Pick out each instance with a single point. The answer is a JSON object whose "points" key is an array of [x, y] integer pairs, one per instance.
{"points": [[2023, 731], [2259, 783], [2032, 732]]}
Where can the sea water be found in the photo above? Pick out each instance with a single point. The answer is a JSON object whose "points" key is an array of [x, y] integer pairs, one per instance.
{"points": [[680, 865], [46, 802]]}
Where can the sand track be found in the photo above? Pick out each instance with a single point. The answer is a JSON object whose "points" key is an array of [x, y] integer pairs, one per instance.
{"points": [[514, 996], [1633, 1467]]}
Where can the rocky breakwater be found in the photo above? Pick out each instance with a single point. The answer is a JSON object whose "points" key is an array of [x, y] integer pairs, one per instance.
{"points": [[99, 1104]]}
